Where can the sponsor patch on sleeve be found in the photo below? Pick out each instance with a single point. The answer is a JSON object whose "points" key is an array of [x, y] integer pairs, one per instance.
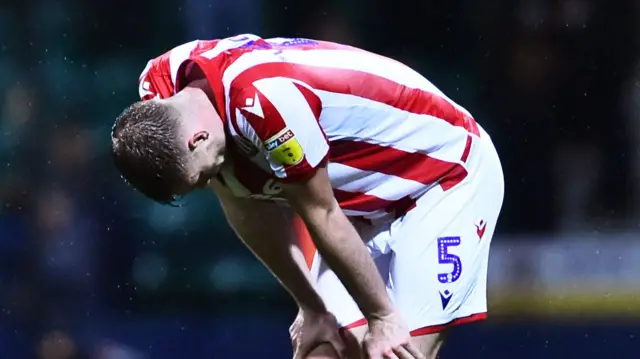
{"points": [[285, 148]]}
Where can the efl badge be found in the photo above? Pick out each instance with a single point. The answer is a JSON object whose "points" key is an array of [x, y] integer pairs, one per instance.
{"points": [[284, 148]]}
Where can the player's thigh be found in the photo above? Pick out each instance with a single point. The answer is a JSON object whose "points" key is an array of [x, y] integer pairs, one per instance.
{"points": [[429, 344], [440, 259], [442, 282], [336, 297]]}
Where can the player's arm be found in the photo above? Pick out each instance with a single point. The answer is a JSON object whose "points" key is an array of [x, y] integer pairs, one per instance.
{"points": [[339, 243], [265, 228], [286, 124]]}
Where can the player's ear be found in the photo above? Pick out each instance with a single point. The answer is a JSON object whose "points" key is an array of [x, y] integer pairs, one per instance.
{"points": [[197, 139]]}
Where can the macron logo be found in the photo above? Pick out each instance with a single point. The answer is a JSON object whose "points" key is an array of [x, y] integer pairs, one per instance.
{"points": [[480, 228], [252, 105], [445, 298]]}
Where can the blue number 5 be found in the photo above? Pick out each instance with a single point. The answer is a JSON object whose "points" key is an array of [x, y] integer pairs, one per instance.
{"points": [[444, 257]]}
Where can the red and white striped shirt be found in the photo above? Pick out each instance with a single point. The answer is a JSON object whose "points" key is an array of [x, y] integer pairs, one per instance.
{"points": [[386, 134]]}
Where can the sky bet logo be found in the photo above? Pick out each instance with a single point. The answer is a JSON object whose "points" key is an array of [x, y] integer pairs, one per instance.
{"points": [[279, 139], [284, 149]]}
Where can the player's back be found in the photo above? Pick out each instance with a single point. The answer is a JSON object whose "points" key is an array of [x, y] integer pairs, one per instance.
{"points": [[385, 132], [392, 135]]}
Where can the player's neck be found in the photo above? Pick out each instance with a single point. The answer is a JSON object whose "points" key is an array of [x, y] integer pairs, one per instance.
{"points": [[201, 86]]}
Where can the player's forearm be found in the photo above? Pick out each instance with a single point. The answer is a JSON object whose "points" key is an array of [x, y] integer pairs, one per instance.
{"points": [[343, 249], [266, 230]]}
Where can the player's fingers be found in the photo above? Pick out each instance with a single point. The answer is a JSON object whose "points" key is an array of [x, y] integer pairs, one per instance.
{"points": [[403, 353], [367, 352], [413, 351], [376, 353]]}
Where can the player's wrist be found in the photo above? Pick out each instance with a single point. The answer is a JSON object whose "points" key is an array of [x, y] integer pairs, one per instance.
{"points": [[384, 313], [312, 306], [314, 311]]}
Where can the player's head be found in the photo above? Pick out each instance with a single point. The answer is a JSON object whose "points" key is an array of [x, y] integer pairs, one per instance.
{"points": [[169, 147]]}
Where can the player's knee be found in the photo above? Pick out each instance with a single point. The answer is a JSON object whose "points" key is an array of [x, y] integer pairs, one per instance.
{"points": [[351, 340], [429, 345]]}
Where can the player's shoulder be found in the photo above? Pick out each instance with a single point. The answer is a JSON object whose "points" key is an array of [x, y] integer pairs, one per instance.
{"points": [[261, 59], [161, 75], [195, 48]]}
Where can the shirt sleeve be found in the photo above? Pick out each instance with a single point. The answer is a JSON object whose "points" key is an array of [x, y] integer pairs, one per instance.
{"points": [[282, 116], [156, 81], [145, 90]]}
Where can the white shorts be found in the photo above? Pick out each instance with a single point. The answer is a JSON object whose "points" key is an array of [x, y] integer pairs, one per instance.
{"points": [[433, 259]]}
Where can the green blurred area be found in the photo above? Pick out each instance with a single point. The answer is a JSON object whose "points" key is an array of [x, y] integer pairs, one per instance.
{"points": [[544, 79], [84, 258]]}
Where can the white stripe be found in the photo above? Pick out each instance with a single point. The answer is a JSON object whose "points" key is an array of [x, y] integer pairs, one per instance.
{"points": [[179, 55], [378, 123], [297, 115], [384, 186]]}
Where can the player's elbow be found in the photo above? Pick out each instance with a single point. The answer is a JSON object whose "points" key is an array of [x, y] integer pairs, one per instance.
{"points": [[322, 216], [313, 199]]}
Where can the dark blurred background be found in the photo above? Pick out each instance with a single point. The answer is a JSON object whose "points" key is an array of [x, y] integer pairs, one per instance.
{"points": [[90, 269]]}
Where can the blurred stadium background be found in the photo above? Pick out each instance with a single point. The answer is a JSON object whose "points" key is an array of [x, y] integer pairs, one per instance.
{"points": [[89, 269]]}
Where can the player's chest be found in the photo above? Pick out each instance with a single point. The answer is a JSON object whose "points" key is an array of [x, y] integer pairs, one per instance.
{"points": [[247, 174]]}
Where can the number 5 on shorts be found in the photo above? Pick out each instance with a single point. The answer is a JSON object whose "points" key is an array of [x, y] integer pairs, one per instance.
{"points": [[444, 257]]}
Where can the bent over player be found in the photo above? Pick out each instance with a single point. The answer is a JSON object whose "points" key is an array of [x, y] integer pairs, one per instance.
{"points": [[398, 186]]}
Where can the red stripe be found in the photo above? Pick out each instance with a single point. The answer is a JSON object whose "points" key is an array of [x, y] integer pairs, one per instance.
{"points": [[361, 202], [301, 171], [357, 201], [362, 84], [439, 328], [452, 178], [402, 206], [429, 329], [357, 323], [467, 150], [415, 166], [213, 68]]}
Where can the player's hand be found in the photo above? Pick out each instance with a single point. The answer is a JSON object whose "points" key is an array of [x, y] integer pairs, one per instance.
{"points": [[388, 338], [310, 329]]}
